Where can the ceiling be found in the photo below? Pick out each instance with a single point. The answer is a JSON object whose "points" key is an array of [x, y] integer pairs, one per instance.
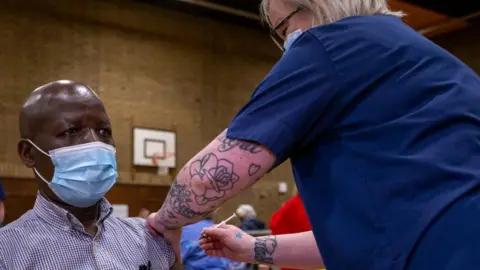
{"points": [[431, 17]]}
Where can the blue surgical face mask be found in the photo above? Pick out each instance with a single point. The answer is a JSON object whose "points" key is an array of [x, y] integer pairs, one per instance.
{"points": [[83, 173], [291, 38]]}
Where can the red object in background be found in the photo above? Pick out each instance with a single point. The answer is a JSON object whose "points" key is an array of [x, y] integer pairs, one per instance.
{"points": [[290, 218]]}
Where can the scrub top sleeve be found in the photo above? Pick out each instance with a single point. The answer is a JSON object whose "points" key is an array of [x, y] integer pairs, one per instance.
{"points": [[288, 108]]}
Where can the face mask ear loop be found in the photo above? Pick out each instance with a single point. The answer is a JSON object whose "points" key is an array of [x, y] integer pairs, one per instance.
{"points": [[39, 175], [34, 145], [35, 169], [45, 181]]}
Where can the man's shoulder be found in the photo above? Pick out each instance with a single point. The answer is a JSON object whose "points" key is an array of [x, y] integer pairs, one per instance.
{"points": [[17, 233], [25, 223], [135, 229], [135, 226], [130, 221]]}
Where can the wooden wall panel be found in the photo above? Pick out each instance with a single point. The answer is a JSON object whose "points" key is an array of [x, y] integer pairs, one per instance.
{"points": [[428, 22], [21, 194]]}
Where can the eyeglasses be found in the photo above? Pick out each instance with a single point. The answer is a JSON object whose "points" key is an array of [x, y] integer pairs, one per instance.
{"points": [[277, 39]]}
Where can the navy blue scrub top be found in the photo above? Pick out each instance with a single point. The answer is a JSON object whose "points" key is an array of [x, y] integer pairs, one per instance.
{"points": [[382, 128]]}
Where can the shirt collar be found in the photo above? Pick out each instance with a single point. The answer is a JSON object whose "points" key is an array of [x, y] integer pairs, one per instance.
{"points": [[61, 218]]}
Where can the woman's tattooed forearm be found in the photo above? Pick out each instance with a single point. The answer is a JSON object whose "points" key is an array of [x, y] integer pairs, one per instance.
{"points": [[264, 249], [178, 200], [211, 178], [207, 180]]}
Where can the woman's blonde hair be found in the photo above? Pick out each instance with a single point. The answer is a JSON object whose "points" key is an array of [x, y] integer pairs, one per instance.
{"points": [[329, 11]]}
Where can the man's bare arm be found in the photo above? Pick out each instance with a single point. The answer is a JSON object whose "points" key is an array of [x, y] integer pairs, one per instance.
{"points": [[220, 171]]}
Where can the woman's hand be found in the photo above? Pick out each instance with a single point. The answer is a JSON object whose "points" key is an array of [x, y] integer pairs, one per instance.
{"points": [[155, 227], [228, 241]]}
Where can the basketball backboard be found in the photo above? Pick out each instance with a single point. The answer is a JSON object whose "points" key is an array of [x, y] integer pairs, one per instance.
{"points": [[153, 144]]}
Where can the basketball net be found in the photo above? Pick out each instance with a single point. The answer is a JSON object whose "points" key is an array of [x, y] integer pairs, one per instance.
{"points": [[157, 161]]}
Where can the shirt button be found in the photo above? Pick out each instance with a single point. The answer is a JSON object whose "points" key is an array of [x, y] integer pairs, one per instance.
{"points": [[66, 228]]}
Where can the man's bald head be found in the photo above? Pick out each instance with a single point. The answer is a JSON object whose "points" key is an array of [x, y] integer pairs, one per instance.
{"points": [[57, 115], [44, 99]]}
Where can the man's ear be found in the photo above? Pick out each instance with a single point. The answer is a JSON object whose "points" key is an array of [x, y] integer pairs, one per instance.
{"points": [[24, 149]]}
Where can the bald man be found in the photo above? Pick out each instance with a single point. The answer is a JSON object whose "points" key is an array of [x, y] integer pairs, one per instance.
{"points": [[66, 139]]}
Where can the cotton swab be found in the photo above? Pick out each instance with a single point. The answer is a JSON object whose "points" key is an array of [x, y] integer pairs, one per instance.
{"points": [[222, 223], [226, 220]]}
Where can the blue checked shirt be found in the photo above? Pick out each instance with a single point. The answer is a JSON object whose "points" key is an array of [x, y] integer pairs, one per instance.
{"points": [[48, 237]]}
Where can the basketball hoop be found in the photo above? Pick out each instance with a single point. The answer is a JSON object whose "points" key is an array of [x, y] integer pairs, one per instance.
{"points": [[157, 161]]}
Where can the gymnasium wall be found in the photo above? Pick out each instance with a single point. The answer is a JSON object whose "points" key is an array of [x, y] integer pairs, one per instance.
{"points": [[152, 68]]}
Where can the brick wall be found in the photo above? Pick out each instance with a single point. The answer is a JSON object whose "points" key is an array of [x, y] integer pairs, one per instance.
{"points": [[151, 67]]}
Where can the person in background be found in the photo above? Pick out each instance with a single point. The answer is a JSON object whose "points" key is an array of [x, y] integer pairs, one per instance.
{"points": [[193, 256], [248, 217], [290, 218], [66, 139], [2, 205]]}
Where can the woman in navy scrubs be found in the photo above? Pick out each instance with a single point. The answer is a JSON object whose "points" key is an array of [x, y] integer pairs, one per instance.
{"points": [[382, 128]]}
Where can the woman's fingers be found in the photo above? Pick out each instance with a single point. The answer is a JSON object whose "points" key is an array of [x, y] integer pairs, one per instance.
{"points": [[214, 253], [212, 245], [214, 233], [208, 246], [206, 239]]}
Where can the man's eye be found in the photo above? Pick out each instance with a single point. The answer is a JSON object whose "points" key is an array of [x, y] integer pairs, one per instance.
{"points": [[105, 132], [71, 131]]}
